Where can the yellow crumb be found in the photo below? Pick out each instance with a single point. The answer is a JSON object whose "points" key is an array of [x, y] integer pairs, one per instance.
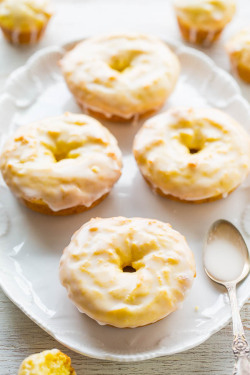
{"points": [[49, 362]]}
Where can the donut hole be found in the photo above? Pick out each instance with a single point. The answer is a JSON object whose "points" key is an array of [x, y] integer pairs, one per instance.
{"points": [[129, 269], [193, 140], [59, 156], [123, 61], [63, 150], [119, 65], [64, 155], [194, 150]]}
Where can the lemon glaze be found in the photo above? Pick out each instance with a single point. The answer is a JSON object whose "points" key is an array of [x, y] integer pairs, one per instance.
{"points": [[193, 154], [93, 270], [122, 75], [24, 15], [205, 14], [49, 362], [66, 161], [239, 47]]}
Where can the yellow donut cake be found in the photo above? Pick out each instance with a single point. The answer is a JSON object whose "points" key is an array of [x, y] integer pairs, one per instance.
{"points": [[127, 272], [61, 165], [49, 362], [238, 49], [193, 155], [24, 21], [202, 21], [121, 76]]}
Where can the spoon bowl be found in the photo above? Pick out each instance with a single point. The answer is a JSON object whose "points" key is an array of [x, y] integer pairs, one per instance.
{"points": [[225, 255], [226, 261]]}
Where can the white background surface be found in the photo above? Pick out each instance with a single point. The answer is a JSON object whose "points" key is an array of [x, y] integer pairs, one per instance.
{"points": [[19, 336]]}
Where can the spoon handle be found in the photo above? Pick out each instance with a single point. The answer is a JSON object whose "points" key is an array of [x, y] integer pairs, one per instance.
{"points": [[240, 345]]}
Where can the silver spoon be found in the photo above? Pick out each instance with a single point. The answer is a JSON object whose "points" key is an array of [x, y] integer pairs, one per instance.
{"points": [[226, 261]]}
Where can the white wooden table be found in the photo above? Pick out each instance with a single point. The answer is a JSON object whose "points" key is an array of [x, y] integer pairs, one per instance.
{"points": [[19, 336]]}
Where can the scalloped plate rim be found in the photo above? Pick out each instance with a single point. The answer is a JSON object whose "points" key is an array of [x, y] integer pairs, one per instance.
{"points": [[116, 357]]}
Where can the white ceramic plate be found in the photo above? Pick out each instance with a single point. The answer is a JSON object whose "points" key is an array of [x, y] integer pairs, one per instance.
{"points": [[31, 244]]}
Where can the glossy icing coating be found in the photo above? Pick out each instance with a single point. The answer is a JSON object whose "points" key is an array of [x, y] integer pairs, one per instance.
{"points": [[121, 75], [205, 14], [65, 161], [92, 269], [193, 154], [238, 47], [24, 15]]}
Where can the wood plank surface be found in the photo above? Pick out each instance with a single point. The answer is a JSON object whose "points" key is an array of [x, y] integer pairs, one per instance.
{"points": [[20, 337]]}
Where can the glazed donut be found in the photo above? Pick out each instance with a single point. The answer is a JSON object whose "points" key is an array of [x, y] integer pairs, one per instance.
{"points": [[127, 272], [46, 363], [24, 21], [202, 21], [238, 49], [193, 155], [61, 165], [120, 76]]}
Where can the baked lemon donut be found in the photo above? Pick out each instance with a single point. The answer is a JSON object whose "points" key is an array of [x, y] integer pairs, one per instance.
{"points": [[24, 21], [238, 49], [193, 155], [120, 76], [61, 165], [202, 21], [49, 362], [127, 272]]}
